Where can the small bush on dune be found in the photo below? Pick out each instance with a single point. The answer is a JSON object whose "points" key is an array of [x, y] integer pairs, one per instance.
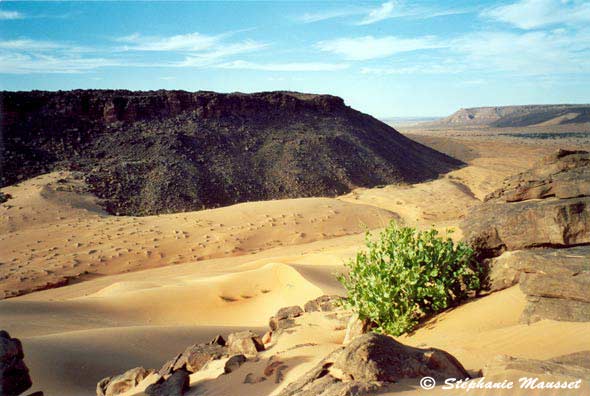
{"points": [[407, 274]]}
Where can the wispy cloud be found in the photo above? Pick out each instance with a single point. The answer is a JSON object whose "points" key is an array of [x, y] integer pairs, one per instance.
{"points": [[387, 10], [533, 14], [384, 11], [311, 17], [221, 52], [18, 63], [8, 15], [284, 67], [446, 67], [536, 52], [24, 44], [181, 42], [369, 47]]}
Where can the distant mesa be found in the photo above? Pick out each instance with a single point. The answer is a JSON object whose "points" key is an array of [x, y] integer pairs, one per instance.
{"points": [[171, 151], [517, 116]]}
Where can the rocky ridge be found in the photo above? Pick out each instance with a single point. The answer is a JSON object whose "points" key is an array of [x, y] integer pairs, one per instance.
{"points": [[517, 116]]}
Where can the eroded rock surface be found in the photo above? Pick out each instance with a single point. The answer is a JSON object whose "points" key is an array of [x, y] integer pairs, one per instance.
{"points": [[370, 362], [548, 205]]}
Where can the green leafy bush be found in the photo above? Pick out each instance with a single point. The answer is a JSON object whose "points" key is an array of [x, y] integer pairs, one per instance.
{"points": [[407, 274]]}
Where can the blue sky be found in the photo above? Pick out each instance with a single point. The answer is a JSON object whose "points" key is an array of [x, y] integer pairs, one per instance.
{"points": [[390, 59]]}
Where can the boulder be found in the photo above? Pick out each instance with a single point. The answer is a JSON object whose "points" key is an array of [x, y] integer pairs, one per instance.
{"points": [[246, 343], [175, 385], [284, 318], [14, 374], [112, 386], [325, 303], [372, 362], [196, 356]]}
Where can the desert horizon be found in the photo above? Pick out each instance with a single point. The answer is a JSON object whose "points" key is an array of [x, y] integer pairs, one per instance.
{"points": [[294, 199]]}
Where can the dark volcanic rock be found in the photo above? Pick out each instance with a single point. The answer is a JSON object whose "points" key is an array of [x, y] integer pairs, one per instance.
{"points": [[196, 356], [14, 374], [371, 362], [175, 385], [245, 342], [323, 303], [233, 363], [170, 151], [284, 318]]}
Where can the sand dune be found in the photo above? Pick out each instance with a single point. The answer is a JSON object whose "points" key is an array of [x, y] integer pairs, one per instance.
{"points": [[52, 233]]}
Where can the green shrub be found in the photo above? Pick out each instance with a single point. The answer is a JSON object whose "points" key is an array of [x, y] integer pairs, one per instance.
{"points": [[407, 274]]}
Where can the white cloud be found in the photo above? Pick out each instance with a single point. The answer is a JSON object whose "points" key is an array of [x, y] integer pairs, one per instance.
{"points": [[284, 67], [9, 15], [533, 14], [385, 11], [369, 47]]}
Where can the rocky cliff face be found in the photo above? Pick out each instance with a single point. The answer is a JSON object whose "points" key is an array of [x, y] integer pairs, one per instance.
{"points": [[517, 116], [169, 151]]}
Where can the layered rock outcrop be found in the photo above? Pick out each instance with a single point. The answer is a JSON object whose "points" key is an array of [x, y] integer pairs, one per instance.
{"points": [[535, 231]]}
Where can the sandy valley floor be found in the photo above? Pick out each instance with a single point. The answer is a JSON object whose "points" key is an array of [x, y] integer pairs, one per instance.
{"points": [[142, 289]]}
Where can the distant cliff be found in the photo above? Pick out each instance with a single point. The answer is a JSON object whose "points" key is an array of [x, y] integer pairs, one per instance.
{"points": [[169, 151], [517, 116]]}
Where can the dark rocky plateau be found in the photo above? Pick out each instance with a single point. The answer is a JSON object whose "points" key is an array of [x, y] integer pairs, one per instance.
{"points": [[171, 151]]}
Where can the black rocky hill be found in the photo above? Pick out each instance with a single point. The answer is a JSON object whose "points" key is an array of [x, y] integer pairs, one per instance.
{"points": [[170, 151]]}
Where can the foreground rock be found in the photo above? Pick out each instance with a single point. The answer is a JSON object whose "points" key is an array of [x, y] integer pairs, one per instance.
{"points": [[14, 374], [175, 385], [112, 386], [370, 362], [548, 205]]}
